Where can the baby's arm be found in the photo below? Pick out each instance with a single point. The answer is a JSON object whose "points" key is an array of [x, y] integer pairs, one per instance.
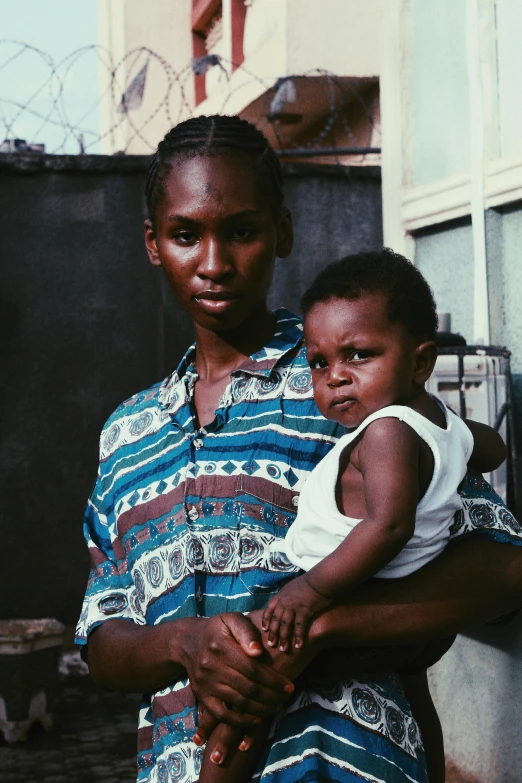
{"points": [[489, 450], [388, 458]]}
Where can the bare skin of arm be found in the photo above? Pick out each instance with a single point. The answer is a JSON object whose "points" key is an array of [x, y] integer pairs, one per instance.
{"points": [[467, 585], [489, 450], [387, 458], [221, 656]]}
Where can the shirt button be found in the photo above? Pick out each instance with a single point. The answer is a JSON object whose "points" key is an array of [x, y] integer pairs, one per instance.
{"points": [[198, 443], [193, 513], [295, 500]]}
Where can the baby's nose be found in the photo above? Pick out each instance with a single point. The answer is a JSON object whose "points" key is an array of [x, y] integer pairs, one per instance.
{"points": [[339, 375]]}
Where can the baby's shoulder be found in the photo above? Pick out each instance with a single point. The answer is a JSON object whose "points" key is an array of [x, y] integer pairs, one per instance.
{"points": [[387, 426], [387, 436]]}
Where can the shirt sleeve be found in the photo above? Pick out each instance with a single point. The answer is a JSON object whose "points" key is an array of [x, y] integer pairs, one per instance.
{"points": [[484, 513], [111, 592]]}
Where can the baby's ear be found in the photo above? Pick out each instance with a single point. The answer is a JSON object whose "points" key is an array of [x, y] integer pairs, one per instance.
{"points": [[425, 358]]}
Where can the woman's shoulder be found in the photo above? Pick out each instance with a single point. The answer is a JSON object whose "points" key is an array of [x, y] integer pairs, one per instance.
{"points": [[140, 415]]}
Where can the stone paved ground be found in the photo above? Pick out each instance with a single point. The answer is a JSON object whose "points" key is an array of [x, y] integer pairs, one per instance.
{"points": [[93, 740]]}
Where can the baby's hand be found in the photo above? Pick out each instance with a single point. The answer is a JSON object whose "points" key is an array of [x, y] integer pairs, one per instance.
{"points": [[288, 614]]}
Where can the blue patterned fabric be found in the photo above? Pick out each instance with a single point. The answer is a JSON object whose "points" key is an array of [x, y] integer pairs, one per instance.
{"points": [[183, 522]]}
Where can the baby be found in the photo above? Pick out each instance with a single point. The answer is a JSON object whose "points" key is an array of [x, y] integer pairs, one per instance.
{"points": [[382, 501]]}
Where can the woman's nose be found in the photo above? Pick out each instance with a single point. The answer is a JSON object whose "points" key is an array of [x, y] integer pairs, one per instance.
{"points": [[215, 261]]}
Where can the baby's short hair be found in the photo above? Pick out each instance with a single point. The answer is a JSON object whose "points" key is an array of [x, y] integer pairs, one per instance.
{"points": [[410, 299]]}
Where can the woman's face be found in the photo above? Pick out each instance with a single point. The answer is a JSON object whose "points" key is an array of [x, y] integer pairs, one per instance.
{"points": [[216, 236]]}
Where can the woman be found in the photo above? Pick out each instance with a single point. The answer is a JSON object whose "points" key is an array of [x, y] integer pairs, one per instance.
{"points": [[200, 475]]}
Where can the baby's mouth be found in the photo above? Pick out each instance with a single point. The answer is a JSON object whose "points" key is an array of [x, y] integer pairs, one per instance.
{"points": [[343, 403]]}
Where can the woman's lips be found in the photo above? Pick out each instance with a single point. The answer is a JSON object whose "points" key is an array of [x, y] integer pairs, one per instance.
{"points": [[215, 301]]}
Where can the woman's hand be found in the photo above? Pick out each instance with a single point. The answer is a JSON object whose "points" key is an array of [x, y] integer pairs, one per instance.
{"points": [[228, 671], [289, 664]]}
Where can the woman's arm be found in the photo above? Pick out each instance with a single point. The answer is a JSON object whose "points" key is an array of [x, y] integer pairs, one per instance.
{"points": [[489, 450], [470, 583], [221, 656]]}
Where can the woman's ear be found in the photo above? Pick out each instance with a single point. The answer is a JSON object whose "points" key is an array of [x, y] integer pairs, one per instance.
{"points": [[151, 244], [424, 361], [285, 234]]}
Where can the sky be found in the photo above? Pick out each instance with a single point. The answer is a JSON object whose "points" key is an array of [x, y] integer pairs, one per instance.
{"points": [[58, 28]]}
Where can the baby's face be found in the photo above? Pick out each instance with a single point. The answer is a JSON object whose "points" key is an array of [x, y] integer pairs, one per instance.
{"points": [[360, 361]]}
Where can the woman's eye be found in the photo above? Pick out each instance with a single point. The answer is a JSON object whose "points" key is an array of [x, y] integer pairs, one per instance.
{"points": [[242, 233], [185, 237]]}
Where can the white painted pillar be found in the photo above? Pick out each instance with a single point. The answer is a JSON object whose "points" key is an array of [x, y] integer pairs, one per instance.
{"points": [[392, 45], [477, 147]]}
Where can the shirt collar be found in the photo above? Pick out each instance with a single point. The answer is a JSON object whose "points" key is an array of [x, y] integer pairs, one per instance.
{"points": [[287, 335]]}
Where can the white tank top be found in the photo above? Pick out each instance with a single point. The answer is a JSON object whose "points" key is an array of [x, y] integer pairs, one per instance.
{"points": [[320, 527]]}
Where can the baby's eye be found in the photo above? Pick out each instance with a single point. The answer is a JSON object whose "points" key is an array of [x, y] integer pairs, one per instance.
{"points": [[317, 363], [359, 356]]}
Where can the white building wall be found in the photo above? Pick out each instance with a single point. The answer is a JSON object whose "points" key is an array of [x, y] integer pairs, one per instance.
{"points": [[163, 27], [432, 172], [439, 92], [339, 36], [282, 37]]}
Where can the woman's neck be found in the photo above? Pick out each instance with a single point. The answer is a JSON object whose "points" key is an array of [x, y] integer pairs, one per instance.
{"points": [[220, 353]]}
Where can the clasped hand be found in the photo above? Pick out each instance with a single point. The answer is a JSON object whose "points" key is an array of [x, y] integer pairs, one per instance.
{"points": [[236, 681], [229, 673]]}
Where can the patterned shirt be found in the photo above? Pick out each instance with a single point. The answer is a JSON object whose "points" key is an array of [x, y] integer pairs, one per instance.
{"points": [[185, 521]]}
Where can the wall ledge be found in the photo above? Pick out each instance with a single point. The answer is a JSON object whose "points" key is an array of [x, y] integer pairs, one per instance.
{"points": [[33, 163]]}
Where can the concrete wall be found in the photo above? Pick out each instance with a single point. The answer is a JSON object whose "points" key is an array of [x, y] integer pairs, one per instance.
{"points": [[477, 688], [85, 322], [345, 218]]}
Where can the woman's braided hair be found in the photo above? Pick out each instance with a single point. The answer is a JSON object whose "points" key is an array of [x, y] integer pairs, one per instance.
{"points": [[210, 135]]}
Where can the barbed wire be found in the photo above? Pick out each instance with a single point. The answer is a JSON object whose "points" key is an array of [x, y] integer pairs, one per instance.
{"points": [[87, 103]]}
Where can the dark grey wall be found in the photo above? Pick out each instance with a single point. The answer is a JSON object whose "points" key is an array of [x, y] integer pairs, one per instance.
{"points": [[336, 211], [85, 322]]}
